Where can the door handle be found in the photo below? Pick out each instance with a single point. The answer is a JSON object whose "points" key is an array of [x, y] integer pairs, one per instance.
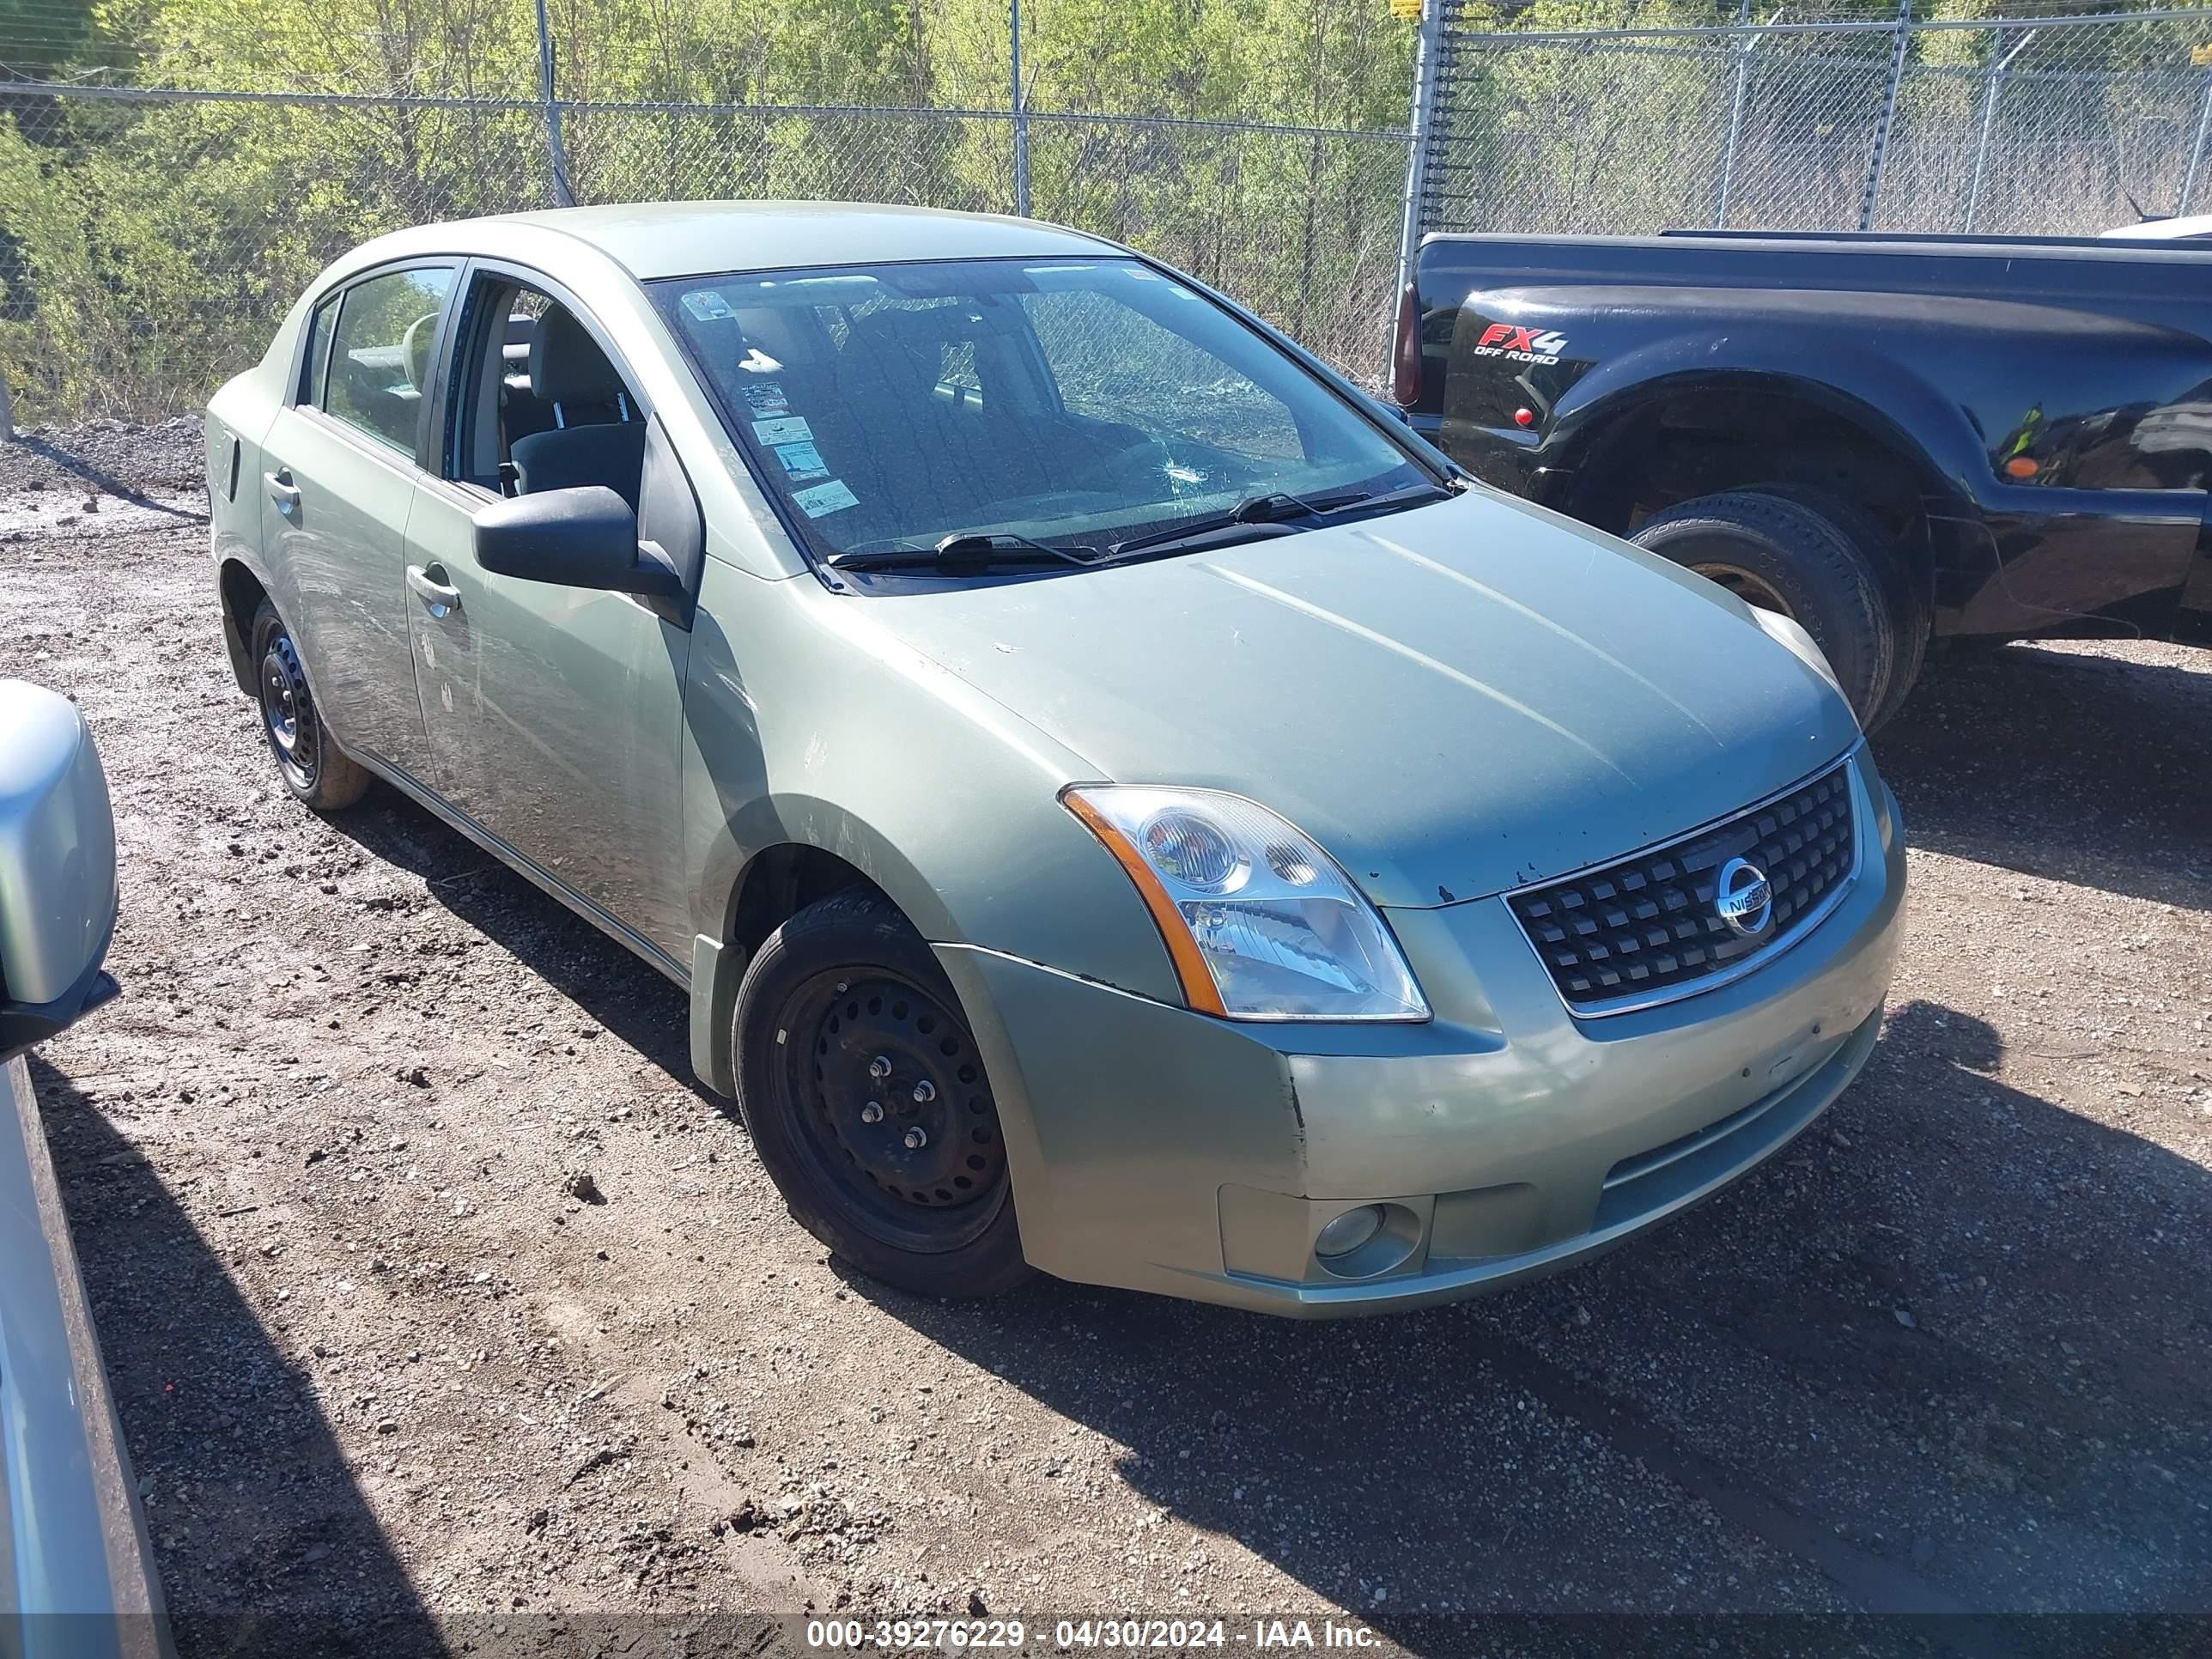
{"points": [[281, 491], [439, 595]]}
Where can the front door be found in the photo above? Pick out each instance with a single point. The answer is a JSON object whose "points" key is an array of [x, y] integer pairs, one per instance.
{"points": [[340, 475], [555, 713]]}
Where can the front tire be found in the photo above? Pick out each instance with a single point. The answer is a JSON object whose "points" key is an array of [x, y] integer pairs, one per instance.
{"points": [[315, 770], [861, 1086], [1782, 553]]}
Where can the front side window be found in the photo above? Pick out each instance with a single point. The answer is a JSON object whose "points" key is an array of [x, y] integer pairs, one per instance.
{"points": [[1082, 403], [379, 356], [539, 404]]}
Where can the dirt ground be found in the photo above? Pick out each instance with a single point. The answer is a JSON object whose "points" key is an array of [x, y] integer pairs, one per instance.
{"points": [[388, 1385]]}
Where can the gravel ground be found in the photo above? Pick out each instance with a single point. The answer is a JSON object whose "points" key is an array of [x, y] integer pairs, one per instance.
{"points": [[387, 1379]]}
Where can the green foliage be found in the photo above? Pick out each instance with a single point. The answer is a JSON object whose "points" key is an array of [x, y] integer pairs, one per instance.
{"points": [[147, 248]]}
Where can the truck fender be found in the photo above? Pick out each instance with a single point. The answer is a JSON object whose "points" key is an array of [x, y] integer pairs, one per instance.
{"points": [[1888, 399]]}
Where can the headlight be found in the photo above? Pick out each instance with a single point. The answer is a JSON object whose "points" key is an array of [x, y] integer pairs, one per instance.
{"points": [[1790, 634], [1261, 924]]}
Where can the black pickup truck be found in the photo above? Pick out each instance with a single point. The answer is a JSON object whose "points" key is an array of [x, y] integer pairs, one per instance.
{"points": [[1888, 437]]}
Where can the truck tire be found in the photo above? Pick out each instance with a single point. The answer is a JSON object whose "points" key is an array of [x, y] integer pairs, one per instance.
{"points": [[1773, 550], [867, 1101], [1911, 602]]}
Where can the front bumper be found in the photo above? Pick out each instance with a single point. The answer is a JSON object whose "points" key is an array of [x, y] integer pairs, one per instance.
{"points": [[1164, 1150]]}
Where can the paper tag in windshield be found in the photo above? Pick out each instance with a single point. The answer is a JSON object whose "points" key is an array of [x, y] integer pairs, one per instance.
{"points": [[766, 399], [792, 431], [707, 304], [831, 497], [801, 462]]}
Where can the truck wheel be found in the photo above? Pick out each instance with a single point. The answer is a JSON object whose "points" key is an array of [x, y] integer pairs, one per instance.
{"points": [[1911, 605], [1774, 551], [860, 1084], [315, 770]]}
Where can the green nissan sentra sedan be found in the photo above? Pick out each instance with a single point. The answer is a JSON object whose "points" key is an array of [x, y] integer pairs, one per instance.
{"points": [[1120, 803]]}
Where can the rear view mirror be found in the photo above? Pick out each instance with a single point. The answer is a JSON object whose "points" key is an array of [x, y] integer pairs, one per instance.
{"points": [[580, 538], [57, 895]]}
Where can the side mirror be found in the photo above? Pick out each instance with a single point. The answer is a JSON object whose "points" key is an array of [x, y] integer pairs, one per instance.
{"points": [[580, 538], [58, 895]]}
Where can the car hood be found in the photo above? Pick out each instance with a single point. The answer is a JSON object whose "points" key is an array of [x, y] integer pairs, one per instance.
{"points": [[1454, 701]]}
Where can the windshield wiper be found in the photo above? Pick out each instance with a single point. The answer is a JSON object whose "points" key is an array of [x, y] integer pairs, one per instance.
{"points": [[1257, 514], [1325, 506], [976, 548], [1265, 515]]}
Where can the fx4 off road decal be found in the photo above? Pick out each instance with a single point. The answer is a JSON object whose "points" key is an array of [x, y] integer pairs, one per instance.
{"points": [[1521, 345]]}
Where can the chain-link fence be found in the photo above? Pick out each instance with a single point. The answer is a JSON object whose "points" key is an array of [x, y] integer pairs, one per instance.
{"points": [[152, 235], [159, 211], [2053, 124]]}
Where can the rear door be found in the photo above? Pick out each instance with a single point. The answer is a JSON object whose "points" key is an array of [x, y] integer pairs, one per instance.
{"points": [[340, 469]]}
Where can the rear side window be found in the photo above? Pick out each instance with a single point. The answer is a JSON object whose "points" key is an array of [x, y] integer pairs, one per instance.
{"points": [[315, 371], [379, 356]]}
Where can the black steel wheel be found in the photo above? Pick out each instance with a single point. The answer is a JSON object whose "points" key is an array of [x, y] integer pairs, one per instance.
{"points": [[895, 1106], [869, 1103], [288, 715], [314, 768]]}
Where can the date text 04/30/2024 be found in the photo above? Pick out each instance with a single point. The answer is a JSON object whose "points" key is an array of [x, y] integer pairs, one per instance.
{"points": [[1139, 1635]]}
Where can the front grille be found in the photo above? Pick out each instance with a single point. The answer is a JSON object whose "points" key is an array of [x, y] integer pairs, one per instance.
{"points": [[1648, 929]]}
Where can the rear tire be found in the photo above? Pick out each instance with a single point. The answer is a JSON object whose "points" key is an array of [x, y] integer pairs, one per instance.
{"points": [[1776, 551], [866, 1099], [315, 770]]}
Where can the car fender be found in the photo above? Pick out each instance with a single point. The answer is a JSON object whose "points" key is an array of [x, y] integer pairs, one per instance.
{"points": [[239, 419], [869, 751]]}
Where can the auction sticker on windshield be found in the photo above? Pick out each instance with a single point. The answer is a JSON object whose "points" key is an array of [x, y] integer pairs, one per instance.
{"points": [[831, 497], [793, 430], [801, 462]]}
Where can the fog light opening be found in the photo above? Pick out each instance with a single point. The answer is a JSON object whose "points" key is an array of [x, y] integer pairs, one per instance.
{"points": [[1348, 1231], [1366, 1242]]}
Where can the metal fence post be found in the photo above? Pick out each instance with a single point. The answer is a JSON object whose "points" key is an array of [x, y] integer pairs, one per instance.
{"points": [[2000, 61], [1743, 44], [563, 196], [1019, 106], [1888, 120], [2197, 149], [1428, 58]]}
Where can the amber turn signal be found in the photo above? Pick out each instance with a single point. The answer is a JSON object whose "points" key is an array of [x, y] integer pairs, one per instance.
{"points": [[2021, 466]]}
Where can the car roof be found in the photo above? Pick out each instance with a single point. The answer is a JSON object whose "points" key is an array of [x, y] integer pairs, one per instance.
{"points": [[686, 239]]}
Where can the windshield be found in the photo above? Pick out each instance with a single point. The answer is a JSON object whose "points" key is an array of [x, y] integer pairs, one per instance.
{"points": [[1085, 404]]}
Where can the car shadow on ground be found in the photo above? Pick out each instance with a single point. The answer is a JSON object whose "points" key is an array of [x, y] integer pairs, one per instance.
{"points": [[1927, 1358], [2061, 765], [625, 994], [224, 1431]]}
